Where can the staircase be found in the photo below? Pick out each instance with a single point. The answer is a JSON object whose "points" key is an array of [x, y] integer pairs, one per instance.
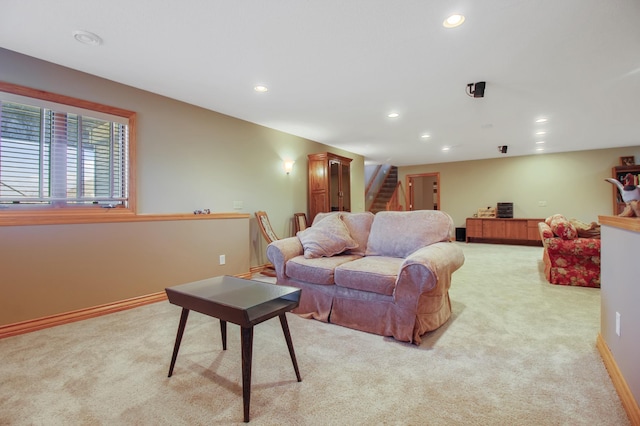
{"points": [[386, 191]]}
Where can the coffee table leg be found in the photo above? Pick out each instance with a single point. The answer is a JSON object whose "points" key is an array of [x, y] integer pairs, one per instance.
{"points": [[223, 333], [183, 322], [247, 354], [287, 337]]}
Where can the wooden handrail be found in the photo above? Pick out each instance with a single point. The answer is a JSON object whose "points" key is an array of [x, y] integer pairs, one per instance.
{"points": [[394, 204], [373, 179]]}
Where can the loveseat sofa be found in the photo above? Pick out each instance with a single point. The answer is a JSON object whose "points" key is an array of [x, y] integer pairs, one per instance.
{"points": [[387, 273], [571, 253]]}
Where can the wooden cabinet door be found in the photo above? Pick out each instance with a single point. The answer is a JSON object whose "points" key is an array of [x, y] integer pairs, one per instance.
{"points": [[493, 228], [345, 187], [329, 183], [515, 229], [317, 175], [474, 228]]}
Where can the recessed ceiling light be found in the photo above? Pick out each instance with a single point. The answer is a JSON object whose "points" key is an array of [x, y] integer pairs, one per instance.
{"points": [[541, 120], [540, 142], [260, 88], [453, 21], [541, 133], [446, 148], [393, 115], [540, 149], [86, 37], [425, 136]]}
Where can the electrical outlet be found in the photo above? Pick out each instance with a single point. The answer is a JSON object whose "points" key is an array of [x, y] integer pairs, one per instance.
{"points": [[542, 203], [223, 259], [618, 323], [238, 205]]}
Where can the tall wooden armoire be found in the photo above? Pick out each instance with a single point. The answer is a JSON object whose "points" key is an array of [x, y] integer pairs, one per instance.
{"points": [[329, 183]]}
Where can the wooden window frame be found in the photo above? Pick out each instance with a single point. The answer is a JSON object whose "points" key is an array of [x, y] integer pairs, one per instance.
{"points": [[85, 214]]}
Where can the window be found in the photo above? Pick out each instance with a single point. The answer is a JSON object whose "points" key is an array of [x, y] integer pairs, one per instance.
{"points": [[59, 153]]}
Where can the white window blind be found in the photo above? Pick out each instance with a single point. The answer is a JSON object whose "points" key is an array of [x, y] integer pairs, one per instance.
{"points": [[54, 156]]}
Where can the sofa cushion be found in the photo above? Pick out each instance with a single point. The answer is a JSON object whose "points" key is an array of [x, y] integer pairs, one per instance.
{"points": [[359, 226], [398, 234], [376, 274], [562, 228], [316, 270], [326, 237]]}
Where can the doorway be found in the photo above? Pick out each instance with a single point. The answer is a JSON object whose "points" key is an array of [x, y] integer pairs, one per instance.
{"points": [[424, 191]]}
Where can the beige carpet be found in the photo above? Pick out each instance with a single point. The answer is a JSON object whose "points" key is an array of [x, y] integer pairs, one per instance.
{"points": [[518, 351]]}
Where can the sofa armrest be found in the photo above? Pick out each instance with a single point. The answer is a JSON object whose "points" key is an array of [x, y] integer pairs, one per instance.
{"points": [[579, 247], [280, 251], [545, 232], [426, 270]]}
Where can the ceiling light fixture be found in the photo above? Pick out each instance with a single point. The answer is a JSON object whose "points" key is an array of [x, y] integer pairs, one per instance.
{"points": [[260, 88], [453, 21], [85, 37], [393, 115], [541, 120], [446, 148], [540, 142], [425, 136], [542, 132]]}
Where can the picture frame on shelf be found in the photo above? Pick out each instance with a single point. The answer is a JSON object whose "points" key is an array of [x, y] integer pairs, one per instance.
{"points": [[627, 161]]}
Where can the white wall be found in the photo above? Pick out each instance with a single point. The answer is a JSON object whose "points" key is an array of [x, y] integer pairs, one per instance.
{"points": [[620, 294]]}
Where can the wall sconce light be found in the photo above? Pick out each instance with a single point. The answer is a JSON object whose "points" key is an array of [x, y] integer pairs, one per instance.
{"points": [[288, 166]]}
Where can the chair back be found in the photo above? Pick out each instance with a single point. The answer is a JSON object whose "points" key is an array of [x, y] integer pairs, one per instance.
{"points": [[265, 227], [300, 222]]}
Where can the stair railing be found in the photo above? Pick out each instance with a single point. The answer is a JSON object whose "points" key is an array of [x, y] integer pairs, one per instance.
{"points": [[374, 185]]}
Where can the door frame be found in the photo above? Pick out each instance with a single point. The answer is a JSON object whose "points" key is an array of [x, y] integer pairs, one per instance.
{"points": [[410, 179]]}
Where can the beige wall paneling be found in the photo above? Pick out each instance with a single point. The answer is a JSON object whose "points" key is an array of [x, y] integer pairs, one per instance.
{"points": [[570, 183], [204, 159], [52, 269]]}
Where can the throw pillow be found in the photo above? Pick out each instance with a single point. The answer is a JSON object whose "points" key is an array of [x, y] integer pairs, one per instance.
{"points": [[327, 237], [554, 218], [586, 230], [564, 229], [321, 216]]}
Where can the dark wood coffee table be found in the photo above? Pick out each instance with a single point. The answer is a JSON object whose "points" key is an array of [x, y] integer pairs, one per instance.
{"points": [[239, 301]]}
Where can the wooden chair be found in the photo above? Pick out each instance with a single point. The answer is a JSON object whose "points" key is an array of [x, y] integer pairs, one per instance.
{"points": [[265, 227], [300, 222], [269, 235]]}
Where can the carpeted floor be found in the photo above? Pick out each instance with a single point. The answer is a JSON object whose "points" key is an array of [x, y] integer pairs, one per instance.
{"points": [[517, 351]]}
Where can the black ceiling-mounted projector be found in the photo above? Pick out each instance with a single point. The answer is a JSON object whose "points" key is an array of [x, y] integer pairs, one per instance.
{"points": [[476, 90]]}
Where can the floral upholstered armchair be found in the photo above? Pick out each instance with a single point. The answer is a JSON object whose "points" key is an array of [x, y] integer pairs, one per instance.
{"points": [[571, 251]]}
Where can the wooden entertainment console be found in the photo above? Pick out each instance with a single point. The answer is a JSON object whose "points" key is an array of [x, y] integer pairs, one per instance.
{"points": [[509, 231]]}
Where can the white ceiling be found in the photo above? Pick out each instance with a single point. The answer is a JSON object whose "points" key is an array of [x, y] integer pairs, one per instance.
{"points": [[336, 68]]}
